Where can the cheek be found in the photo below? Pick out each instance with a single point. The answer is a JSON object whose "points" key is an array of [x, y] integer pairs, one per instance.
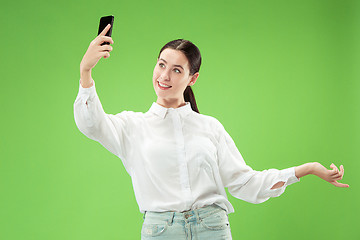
{"points": [[155, 74]]}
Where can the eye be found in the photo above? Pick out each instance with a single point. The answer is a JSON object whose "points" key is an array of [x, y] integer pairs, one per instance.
{"points": [[175, 69]]}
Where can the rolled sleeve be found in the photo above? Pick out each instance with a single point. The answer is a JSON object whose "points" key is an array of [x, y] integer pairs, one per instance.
{"points": [[87, 93]]}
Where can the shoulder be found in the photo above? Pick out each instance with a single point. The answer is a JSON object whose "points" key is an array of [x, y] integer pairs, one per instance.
{"points": [[127, 113], [214, 123], [130, 116]]}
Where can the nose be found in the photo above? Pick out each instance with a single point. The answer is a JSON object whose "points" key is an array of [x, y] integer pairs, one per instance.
{"points": [[165, 76]]}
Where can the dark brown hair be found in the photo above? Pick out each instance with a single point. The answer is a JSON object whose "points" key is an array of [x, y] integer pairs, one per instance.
{"points": [[193, 55]]}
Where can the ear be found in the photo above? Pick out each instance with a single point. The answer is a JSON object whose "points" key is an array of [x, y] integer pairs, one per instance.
{"points": [[193, 79]]}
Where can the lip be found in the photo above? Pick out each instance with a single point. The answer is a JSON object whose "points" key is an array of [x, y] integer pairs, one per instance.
{"points": [[164, 84], [163, 88]]}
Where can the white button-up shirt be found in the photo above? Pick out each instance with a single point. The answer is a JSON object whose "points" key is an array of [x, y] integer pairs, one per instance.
{"points": [[178, 159]]}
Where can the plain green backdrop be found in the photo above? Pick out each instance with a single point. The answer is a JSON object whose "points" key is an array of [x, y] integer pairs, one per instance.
{"points": [[281, 76]]}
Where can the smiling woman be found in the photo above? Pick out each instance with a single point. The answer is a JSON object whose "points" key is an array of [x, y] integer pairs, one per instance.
{"points": [[176, 70], [180, 161]]}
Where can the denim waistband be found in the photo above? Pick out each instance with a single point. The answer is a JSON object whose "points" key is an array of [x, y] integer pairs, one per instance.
{"points": [[190, 215]]}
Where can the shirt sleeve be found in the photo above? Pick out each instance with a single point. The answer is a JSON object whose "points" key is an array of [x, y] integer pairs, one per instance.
{"points": [[111, 131], [242, 181]]}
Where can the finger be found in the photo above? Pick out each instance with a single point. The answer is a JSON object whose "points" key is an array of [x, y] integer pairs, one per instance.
{"points": [[333, 171], [334, 167], [342, 170], [105, 30], [337, 184], [336, 178], [106, 55], [106, 47], [105, 39]]}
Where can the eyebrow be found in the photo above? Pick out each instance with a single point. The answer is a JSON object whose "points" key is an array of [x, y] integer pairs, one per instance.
{"points": [[174, 65]]}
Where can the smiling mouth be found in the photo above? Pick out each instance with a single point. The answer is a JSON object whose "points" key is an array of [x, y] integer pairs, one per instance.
{"points": [[163, 86]]}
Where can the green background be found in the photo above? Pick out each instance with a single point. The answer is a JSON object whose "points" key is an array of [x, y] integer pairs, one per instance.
{"points": [[281, 76]]}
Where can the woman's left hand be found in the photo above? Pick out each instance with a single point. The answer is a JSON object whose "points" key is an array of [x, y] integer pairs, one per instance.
{"points": [[332, 176]]}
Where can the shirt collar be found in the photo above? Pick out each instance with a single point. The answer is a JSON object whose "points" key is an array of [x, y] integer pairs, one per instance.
{"points": [[161, 111]]}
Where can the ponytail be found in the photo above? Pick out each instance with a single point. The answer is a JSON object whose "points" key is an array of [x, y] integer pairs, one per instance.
{"points": [[189, 97]]}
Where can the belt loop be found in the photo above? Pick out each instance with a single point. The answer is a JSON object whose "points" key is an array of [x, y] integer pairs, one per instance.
{"points": [[171, 220], [197, 213], [144, 215]]}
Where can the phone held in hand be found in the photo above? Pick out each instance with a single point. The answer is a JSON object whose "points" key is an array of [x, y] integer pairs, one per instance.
{"points": [[104, 21]]}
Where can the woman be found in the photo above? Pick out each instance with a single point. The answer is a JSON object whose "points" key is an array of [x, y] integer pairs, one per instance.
{"points": [[179, 160]]}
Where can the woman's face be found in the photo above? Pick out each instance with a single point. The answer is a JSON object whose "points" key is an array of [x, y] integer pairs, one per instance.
{"points": [[172, 69]]}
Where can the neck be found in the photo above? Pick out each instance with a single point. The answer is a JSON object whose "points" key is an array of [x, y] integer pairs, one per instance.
{"points": [[171, 103]]}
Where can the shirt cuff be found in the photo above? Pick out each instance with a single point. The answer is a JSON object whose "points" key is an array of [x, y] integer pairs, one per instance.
{"points": [[288, 176], [87, 93]]}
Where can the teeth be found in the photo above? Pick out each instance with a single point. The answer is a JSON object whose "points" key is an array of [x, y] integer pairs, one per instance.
{"points": [[163, 85]]}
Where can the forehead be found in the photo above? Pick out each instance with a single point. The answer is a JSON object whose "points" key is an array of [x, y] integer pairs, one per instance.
{"points": [[174, 57]]}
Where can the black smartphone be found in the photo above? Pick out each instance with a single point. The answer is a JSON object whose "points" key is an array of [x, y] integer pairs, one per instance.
{"points": [[104, 21]]}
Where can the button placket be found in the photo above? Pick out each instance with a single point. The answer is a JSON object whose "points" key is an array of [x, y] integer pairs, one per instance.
{"points": [[184, 175]]}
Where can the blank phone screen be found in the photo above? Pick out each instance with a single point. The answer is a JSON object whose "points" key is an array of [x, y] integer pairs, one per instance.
{"points": [[104, 21]]}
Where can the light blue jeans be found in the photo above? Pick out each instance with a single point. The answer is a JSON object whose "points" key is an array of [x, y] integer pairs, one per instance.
{"points": [[209, 222]]}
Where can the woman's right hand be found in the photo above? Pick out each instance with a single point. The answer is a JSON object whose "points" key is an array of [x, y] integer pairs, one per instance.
{"points": [[96, 51]]}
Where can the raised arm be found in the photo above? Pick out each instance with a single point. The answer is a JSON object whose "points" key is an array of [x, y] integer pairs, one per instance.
{"points": [[112, 131], [92, 56]]}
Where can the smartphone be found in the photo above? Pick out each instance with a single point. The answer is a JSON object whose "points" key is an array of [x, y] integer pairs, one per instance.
{"points": [[104, 21]]}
